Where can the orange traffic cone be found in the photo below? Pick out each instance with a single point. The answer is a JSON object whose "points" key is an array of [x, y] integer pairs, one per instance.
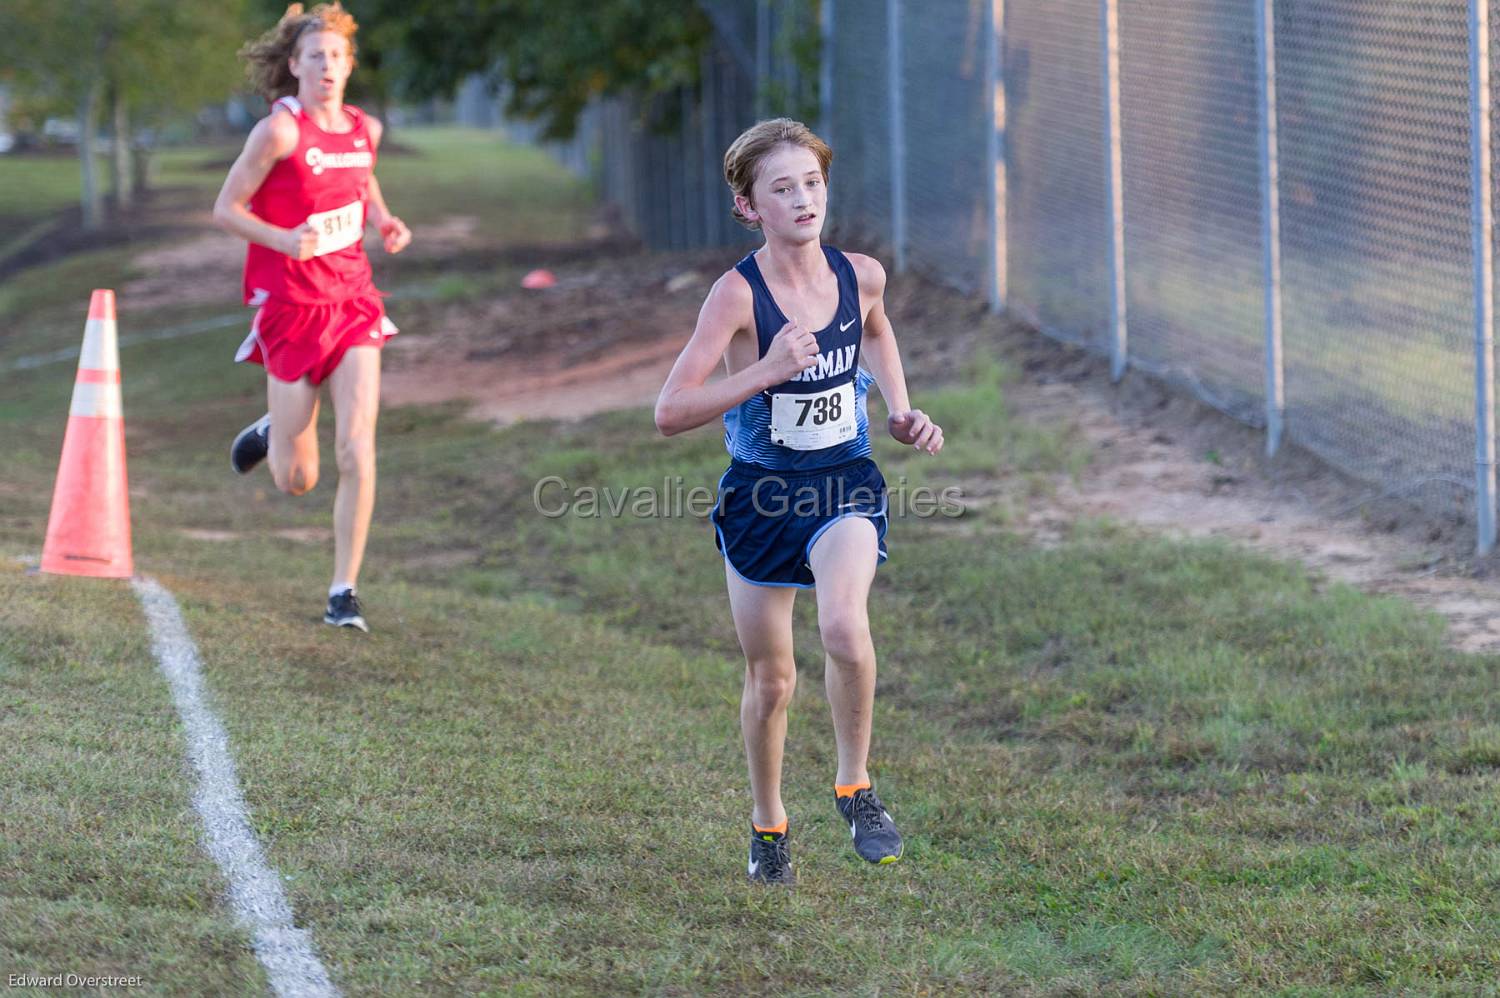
{"points": [[88, 532]]}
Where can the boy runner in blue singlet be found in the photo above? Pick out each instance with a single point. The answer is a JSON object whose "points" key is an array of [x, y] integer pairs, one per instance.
{"points": [[802, 505]]}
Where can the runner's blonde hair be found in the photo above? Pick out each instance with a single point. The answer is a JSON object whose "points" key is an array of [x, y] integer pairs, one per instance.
{"points": [[746, 153], [267, 57]]}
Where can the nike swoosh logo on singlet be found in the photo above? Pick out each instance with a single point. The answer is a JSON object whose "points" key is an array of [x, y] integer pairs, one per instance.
{"points": [[846, 325]]}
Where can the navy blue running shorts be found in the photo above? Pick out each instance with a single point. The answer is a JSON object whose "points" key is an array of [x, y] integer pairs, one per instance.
{"points": [[766, 521]]}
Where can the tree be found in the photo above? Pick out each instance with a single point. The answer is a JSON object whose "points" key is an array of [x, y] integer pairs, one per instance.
{"points": [[554, 55], [52, 51], [158, 58], [169, 60]]}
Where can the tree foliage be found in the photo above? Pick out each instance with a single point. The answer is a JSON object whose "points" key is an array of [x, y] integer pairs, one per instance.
{"points": [[165, 56], [549, 56], [152, 58]]}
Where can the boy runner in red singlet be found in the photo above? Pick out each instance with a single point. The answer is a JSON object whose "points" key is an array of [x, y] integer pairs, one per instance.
{"points": [[802, 505], [300, 194]]}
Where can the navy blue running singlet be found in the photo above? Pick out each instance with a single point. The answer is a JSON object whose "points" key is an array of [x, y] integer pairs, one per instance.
{"points": [[802, 424]]}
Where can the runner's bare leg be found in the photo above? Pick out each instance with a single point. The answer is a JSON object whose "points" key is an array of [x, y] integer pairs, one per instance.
{"points": [[293, 456], [843, 562], [763, 621], [356, 402]]}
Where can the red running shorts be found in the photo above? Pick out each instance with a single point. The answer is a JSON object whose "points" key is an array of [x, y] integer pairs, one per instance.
{"points": [[308, 341]]}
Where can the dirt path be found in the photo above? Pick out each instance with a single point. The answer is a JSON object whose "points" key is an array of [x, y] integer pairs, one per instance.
{"points": [[603, 337], [1168, 464]]}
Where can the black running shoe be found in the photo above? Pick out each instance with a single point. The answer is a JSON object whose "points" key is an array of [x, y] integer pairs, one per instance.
{"points": [[344, 611], [875, 835], [251, 445], [770, 858]]}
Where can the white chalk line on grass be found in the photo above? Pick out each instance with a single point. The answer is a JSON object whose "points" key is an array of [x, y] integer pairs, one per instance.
{"points": [[241, 318], [254, 887], [171, 333]]}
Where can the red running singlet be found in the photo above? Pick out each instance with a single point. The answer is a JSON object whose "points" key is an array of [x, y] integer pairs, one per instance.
{"points": [[324, 182], [311, 312]]}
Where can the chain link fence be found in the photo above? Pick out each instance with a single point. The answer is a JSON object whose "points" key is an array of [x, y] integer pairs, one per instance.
{"points": [[1268, 202], [1376, 241], [1057, 274], [1193, 280]]}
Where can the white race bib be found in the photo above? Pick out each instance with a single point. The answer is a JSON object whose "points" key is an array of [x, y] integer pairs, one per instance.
{"points": [[338, 228], [813, 421]]}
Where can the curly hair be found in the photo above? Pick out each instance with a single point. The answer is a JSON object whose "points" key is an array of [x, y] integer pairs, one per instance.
{"points": [[267, 57], [742, 161]]}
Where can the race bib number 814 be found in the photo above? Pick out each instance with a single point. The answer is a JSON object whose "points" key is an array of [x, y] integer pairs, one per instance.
{"points": [[815, 420], [338, 228]]}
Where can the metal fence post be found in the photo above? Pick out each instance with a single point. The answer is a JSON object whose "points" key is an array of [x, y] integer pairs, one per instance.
{"points": [[762, 56], [825, 71], [994, 80], [1115, 200], [898, 134], [1270, 220], [693, 224], [1484, 273], [708, 102]]}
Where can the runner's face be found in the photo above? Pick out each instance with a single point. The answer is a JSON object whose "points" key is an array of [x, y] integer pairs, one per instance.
{"points": [[322, 65], [790, 196]]}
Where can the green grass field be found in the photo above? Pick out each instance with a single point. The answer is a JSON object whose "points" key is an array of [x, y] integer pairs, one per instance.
{"points": [[1124, 765]]}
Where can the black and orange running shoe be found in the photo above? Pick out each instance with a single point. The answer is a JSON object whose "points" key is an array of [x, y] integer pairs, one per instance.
{"points": [[870, 825], [770, 858]]}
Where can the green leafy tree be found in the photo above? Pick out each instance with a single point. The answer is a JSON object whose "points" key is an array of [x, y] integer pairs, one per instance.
{"points": [[552, 56], [171, 58], [159, 58], [55, 53]]}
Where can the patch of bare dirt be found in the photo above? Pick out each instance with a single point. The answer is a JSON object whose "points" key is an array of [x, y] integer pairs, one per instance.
{"points": [[1169, 464], [604, 337], [305, 535], [302, 535], [202, 270], [206, 269], [444, 238], [158, 214], [211, 536]]}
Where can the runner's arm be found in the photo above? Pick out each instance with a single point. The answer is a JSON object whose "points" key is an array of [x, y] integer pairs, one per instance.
{"points": [[687, 400], [883, 357], [393, 231], [271, 140]]}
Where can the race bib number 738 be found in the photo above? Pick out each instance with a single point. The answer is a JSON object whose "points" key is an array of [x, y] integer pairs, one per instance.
{"points": [[815, 420], [339, 227]]}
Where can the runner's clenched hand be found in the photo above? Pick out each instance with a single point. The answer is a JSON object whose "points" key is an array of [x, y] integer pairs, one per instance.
{"points": [[300, 243], [394, 234], [793, 350], [915, 428]]}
